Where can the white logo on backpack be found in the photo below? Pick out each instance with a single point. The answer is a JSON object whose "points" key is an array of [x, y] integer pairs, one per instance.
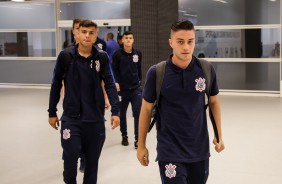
{"points": [[100, 45]]}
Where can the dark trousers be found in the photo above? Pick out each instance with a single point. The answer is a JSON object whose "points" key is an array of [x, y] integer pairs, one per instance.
{"points": [[184, 173], [86, 137], [135, 98]]}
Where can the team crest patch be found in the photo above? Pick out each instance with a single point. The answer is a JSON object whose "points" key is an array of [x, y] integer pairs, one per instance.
{"points": [[200, 84], [135, 58], [170, 171], [97, 62], [66, 134]]}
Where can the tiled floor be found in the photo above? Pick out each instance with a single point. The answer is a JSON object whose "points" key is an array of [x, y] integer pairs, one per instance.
{"points": [[30, 151]]}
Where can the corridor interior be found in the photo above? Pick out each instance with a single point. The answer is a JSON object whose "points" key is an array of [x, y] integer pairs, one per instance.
{"points": [[31, 153]]}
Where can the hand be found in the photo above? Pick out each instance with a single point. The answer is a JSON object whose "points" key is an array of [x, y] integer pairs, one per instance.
{"points": [[115, 121], [117, 86], [54, 122], [218, 146], [143, 155], [107, 104]]}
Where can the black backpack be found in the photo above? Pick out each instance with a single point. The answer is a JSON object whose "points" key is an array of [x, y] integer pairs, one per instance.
{"points": [[160, 71]]}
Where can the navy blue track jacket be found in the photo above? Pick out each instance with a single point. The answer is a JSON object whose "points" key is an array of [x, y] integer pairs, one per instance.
{"points": [[127, 68], [70, 77]]}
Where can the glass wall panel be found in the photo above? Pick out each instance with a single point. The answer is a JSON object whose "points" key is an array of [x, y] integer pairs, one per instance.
{"points": [[230, 12], [26, 72], [29, 1], [115, 9], [240, 43], [38, 15], [27, 44], [263, 76]]}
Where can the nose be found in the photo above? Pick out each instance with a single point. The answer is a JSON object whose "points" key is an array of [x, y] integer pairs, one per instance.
{"points": [[186, 46]]}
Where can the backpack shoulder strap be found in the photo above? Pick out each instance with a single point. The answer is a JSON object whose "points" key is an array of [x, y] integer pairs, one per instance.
{"points": [[103, 58], [67, 59], [206, 66], [160, 71]]}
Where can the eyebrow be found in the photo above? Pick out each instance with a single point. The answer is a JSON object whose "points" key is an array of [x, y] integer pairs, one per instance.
{"points": [[183, 39], [85, 30]]}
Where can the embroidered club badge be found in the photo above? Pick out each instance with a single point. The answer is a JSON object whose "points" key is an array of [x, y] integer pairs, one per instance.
{"points": [[66, 134], [170, 171], [200, 84], [135, 58], [97, 62]]}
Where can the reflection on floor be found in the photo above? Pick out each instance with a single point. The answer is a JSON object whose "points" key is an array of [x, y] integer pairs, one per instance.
{"points": [[31, 154]]}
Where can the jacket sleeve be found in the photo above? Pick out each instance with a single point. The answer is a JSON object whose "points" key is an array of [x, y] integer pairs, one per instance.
{"points": [[115, 65], [140, 65], [56, 85], [110, 86]]}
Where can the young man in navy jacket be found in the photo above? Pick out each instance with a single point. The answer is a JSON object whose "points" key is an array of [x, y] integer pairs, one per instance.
{"points": [[100, 44], [126, 64], [83, 128], [182, 133]]}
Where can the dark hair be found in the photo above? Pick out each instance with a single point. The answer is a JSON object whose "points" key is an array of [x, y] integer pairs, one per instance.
{"points": [[119, 37], [201, 55], [127, 33], [76, 21], [182, 25], [110, 35], [87, 23]]}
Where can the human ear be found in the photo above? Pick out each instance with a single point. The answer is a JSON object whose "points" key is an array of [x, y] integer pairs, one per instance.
{"points": [[170, 42]]}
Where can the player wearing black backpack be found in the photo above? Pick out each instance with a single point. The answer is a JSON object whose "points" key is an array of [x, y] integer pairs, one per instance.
{"points": [[99, 45], [82, 124], [182, 133]]}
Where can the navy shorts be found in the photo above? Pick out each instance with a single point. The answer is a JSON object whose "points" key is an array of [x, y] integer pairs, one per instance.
{"points": [[184, 173]]}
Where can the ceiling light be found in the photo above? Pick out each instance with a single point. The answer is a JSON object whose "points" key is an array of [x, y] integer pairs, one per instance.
{"points": [[18, 0], [222, 1], [190, 15]]}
